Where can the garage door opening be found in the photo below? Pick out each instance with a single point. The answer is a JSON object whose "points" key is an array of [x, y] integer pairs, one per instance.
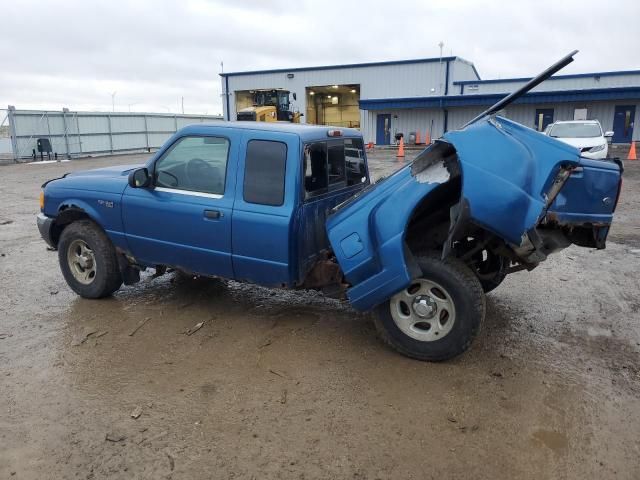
{"points": [[333, 105], [266, 105]]}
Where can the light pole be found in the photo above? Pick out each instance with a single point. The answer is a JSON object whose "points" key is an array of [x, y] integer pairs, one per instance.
{"points": [[441, 44], [113, 101]]}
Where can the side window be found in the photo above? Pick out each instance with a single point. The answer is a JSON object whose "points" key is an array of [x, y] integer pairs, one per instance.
{"points": [[315, 168], [264, 172], [196, 164], [337, 176], [333, 165], [354, 159]]}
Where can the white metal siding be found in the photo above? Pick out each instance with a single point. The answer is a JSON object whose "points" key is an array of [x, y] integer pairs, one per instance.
{"points": [[418, 80], [461, 70], [525, 114], [553, 84], [405, 121], [381, 81], [81, 133]]}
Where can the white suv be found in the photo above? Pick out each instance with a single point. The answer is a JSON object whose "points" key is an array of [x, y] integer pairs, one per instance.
{"points": [[586, 135]]}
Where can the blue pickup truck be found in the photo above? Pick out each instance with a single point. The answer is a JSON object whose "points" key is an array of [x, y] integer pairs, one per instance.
{"points": [[292, 206]]}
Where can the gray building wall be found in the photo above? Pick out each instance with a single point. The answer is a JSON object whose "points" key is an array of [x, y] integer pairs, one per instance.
{"points": [[406, 121], [411, 120], [393, 80], [560, 82], [525, 114], [426, 78]]}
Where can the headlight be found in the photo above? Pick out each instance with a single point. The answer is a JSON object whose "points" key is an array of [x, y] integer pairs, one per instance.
{"points": [[597, 148], [42, 200]]}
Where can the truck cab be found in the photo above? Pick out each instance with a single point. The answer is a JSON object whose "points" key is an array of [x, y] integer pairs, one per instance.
{"points": [[245, 201]]}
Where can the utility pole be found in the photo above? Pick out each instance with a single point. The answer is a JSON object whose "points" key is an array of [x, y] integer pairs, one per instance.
{"points": [[182, 101], [441, 45], [113, 101]]}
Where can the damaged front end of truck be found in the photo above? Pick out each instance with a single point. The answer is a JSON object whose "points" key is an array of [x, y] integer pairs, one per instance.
{"points": [[495, 195]]}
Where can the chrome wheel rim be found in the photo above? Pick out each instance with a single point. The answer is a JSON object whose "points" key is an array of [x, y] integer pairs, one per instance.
{"points": [[424, 311], [82, 262]]}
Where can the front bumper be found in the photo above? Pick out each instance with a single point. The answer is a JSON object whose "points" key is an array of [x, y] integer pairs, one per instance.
{"points": [[45, 225]]}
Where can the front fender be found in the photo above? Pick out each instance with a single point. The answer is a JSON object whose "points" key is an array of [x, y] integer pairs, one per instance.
{"points": [[102, 208]]}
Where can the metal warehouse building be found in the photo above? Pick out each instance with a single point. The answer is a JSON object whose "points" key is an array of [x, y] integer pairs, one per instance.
{"points": [[435, 95]]}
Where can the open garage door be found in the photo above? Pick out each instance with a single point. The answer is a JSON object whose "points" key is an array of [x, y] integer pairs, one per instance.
{"points": [[333, 105]]}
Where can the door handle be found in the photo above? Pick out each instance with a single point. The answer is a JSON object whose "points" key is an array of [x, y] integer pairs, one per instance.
{"points": [[213, 214]]}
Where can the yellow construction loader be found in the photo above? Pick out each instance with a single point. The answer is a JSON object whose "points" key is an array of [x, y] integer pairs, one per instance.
{"points": [[270, 106]]}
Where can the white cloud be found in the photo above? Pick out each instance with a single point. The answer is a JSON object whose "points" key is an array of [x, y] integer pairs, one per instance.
{"points": [[75, 53]]}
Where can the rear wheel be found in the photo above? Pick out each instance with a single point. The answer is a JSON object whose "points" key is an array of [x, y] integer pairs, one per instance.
{"points": [[438, 315], [88, 260]]}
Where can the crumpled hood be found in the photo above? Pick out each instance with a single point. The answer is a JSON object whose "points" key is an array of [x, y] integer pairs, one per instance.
{"points": [[504, 173], [507, 169]]}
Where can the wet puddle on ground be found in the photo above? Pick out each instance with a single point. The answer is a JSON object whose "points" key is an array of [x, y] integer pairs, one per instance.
{"points": [[555, 441]]}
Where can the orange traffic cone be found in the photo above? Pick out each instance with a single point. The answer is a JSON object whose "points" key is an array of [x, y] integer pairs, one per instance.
{"points": [[418, 142], [632, 152], [427, 137], [401, 149]]}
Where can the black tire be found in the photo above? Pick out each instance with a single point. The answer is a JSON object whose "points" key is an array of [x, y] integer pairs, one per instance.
{"points": [[106, 277], [465, 292], [491, 272]]}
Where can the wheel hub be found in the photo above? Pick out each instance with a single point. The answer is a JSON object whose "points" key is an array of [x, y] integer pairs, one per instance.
{"points": [[85, 261], [424, 311], [424, 306], [82, 261]]}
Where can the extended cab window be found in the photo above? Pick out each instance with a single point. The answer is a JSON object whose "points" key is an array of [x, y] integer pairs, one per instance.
{"points": [[335, 150], [264, 171], [333, 164], [196, 164], [315, 168], [354, 161]]}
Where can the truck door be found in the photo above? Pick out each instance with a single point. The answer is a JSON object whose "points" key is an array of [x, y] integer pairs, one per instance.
{"points": [[262, 215], [184, 219], [334, 170]]}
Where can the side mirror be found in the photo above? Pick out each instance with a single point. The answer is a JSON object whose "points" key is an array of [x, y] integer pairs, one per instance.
{"points": [[608, 134], [139, 178]]}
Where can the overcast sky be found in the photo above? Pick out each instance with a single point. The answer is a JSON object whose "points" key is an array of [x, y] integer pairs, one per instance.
{"points": [[76, 53]]}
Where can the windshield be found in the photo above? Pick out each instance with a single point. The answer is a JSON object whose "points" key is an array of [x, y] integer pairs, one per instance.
{"points": [[283, 100], [266, 98], [575, 130]]}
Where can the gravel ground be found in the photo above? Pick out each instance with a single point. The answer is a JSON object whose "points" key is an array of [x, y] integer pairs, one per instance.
{"points": [[293, 385]]}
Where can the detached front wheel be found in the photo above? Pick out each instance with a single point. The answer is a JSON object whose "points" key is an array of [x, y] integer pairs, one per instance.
{"points": [[438, 315], [88, 260]]}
